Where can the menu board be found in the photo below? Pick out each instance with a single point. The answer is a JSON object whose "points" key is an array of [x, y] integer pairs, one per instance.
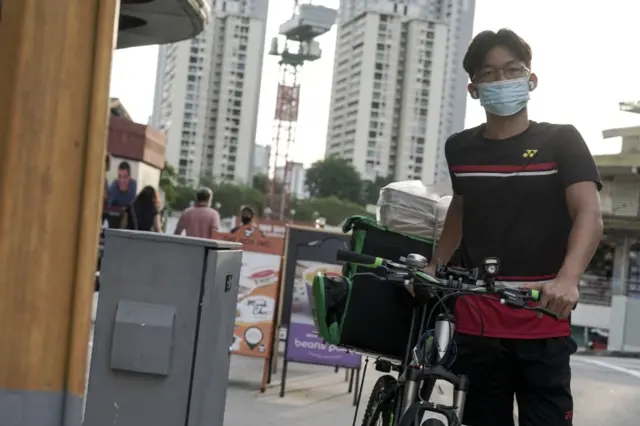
{"points": [[256, 304], [258, 291]]}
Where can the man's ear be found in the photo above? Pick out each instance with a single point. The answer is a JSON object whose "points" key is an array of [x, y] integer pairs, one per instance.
{"points": [[471, 88], [533, 82]]}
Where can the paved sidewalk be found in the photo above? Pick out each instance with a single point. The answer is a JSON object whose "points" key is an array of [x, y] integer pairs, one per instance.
{"points": [[315, 396]]}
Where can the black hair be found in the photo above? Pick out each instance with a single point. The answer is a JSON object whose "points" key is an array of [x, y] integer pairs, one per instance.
{"points": [[124, 166], [247, 209], [147, 197], [487, 40], [203, 195]]}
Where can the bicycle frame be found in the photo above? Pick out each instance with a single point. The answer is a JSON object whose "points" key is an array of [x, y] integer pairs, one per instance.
{"points": [[418, 376], [411, 403]]}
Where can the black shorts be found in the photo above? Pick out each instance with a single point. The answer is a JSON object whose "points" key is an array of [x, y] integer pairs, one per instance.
{"points": [[536, 371]]}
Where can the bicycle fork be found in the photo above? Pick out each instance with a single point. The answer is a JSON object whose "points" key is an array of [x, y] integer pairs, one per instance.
{"points": [[416, 374]]}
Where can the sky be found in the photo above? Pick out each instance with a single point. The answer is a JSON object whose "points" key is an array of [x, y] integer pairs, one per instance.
{"points": [[584, 53]]}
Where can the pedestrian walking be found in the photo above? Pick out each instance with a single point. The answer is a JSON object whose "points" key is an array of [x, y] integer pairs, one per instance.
{"points": [[200, 221]]}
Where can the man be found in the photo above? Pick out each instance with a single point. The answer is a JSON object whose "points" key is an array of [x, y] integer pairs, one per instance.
{"points": [[527, 193], [199, 221], [123, 191], [246, 218]]}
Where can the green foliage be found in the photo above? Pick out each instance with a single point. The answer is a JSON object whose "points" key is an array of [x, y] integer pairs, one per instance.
{"points": [[185, 195], [331, 208], [168, 183], [232, 197], [207, 181], [260, 182], [334, 176], [372, 189]]}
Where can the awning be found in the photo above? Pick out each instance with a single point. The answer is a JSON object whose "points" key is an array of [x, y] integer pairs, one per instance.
{"points": [[149, 22]]}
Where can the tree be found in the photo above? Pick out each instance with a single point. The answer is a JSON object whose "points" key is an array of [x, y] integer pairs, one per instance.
{"points": [[334, 176], [168, 183], [331, 208], [372, 189], [260, 182], [232, 198], [207, 181], [185, 195]]}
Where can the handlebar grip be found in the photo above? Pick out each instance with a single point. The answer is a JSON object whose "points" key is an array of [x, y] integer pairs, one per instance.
{"points": [[535, 295], [359, 259]]}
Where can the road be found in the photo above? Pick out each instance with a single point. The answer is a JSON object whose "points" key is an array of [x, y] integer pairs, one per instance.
{"points": [[607, 392]]}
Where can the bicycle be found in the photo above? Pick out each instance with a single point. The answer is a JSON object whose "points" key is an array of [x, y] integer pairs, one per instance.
{"points": [[403, 401]]}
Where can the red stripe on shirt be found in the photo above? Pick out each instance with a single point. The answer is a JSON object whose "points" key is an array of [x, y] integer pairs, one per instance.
{"points": [[485, 316], [503, 168]]}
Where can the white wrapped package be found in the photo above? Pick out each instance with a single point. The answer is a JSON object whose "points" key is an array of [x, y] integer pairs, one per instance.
{"points": [[411, 208]]}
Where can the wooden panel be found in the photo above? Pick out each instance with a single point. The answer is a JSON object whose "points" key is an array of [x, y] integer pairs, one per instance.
{"points": [[54, 82]]}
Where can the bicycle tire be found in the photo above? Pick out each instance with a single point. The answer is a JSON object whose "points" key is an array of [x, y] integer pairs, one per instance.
{"points": [[433, 422], [377, 408]]}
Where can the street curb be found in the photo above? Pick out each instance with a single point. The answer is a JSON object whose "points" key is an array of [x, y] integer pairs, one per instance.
{"points": [[612, 354]]}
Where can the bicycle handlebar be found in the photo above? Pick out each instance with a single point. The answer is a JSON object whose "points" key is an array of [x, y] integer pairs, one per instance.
{"points": [[518, 298], [360, 259]]}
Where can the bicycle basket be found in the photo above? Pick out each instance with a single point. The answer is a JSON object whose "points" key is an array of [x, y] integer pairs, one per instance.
{"points": [[359, 311]]}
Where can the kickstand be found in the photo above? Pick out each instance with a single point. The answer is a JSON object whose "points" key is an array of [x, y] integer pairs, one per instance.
{"points": [[364, 374]]}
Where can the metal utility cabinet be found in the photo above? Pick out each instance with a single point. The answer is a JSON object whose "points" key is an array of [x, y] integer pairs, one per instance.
{"points": [[163, 330]]}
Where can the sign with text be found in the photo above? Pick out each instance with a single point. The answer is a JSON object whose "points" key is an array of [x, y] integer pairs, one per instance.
{"points": [[303, 343], [258, 291], [309, 252]]}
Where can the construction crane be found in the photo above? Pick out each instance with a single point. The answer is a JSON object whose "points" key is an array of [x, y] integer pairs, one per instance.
{"points": [[295, 46]]}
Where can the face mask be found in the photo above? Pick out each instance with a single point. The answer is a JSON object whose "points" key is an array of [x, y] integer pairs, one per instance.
{"points": [[246, 219], [504, 98]]}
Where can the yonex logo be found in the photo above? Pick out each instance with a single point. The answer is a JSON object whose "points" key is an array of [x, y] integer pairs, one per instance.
{"points": [[530, 153]]}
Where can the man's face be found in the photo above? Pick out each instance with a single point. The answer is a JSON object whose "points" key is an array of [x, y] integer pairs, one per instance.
{"points": [[123, 179], [500, 64]]}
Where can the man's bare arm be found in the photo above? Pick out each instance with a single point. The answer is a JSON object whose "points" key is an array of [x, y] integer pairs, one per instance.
{"points": [[215, 224], [179, 226], [583, 203], [451, 233]]}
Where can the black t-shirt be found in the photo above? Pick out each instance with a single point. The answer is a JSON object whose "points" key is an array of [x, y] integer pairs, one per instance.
{"points": [[514, 208]]}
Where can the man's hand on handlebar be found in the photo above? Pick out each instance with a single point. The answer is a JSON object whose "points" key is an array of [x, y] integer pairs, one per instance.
{"points": [[430, 270], [558, 296]]}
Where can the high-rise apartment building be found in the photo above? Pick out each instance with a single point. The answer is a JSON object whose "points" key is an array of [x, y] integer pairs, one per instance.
{"points": [[297, 177], [262, 159], [207, 94], [398, 85]]}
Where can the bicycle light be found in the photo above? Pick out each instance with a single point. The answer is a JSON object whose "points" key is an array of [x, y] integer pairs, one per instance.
{"points": [[491, 266]]}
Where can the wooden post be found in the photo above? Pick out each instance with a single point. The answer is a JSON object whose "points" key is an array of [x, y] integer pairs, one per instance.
{"points": [[55, 59]]}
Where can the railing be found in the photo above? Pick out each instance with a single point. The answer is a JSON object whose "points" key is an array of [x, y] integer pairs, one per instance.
{"points": [[595, 290], [633, 288]]}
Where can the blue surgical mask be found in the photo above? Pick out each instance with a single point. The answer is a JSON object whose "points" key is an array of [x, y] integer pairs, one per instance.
{"points": [[504, 98]]}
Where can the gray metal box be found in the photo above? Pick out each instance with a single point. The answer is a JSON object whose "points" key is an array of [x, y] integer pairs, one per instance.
{"points": [[163, 330]]}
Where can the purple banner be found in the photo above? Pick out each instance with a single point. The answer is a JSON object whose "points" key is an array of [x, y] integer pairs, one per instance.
{"points": [[304, 345]]}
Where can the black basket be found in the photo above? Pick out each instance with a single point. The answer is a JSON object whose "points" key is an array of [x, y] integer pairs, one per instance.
{"points": [[378, 317]]}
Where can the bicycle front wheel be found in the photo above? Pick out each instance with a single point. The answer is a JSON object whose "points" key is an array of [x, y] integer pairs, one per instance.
{"points": [[382, 403]]}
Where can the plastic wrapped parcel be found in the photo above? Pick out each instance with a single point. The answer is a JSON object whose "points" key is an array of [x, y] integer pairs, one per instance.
{"points": [[411, 208]]}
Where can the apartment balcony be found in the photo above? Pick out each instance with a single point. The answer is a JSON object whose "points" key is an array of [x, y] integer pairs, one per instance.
{"points": [[148, 22]]}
